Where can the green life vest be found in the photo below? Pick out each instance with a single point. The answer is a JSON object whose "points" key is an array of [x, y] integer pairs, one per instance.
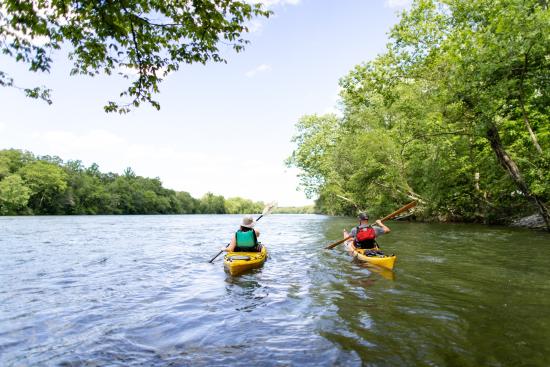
{"points": [[246, 240]]}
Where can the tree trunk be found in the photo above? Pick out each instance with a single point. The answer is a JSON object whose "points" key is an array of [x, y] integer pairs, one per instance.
{"points": [[510, 166]]}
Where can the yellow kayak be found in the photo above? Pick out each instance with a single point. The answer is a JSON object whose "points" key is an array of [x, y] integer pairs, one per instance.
{"points": [[238, 262], [383, 261]]}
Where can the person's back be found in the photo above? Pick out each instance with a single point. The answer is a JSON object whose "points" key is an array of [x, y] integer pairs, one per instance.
{"points": [[246, 238], [364, 235]]}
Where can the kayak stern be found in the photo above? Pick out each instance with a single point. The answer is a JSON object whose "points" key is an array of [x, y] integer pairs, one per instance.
{"points": [[238, 262]]}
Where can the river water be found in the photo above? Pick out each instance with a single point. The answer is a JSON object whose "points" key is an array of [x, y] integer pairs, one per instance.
{"points": [[139, 291]]}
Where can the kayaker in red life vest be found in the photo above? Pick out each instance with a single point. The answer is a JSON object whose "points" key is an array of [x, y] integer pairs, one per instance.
{"points": [[246, 238], [364, 235]]}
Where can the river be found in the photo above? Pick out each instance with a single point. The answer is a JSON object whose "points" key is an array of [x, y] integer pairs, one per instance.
{"points": [[139, 291]]}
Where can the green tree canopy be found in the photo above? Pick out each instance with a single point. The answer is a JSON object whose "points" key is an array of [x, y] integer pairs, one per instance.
{"points": [[454, 115], [237, 205], [143, 40], [14, 195], [211, 203], [46, 181]]}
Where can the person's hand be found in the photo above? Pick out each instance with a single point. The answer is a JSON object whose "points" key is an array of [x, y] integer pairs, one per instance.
{"points": [[379, 222], [223, 248], [345, 231]]}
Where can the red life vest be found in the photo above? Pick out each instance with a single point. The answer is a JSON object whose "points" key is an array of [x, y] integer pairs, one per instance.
{"points": [[365, 237]]}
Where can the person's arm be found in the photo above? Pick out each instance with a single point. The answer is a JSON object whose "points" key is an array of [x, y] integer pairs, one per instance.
{"points": [[381, 225], [351, 243], [231, 246], [257, 232]]}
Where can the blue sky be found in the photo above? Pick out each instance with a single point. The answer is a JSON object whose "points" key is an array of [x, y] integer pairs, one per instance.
{"points": [[224, 128]]}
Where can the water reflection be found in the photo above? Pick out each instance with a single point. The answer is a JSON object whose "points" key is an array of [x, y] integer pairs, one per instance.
{"points": [[245, 292], [383, 272]]}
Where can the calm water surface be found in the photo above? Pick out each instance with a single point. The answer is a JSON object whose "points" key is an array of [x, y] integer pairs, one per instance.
{"points": [[138, 290]]}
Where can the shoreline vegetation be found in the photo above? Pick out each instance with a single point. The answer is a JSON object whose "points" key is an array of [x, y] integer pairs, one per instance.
{"points": [[46, 185], [455, 115]]}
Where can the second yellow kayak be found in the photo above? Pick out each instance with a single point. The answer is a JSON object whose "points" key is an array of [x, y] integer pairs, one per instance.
{"points": [[379, 260], [238, 262]]}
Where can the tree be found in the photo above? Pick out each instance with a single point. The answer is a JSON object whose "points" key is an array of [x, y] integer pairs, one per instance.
{"points": [[186, 203], [212, 204], [47, 182], [238, 205], [316, 138], [14, 195], [4, 167], [12, 160], [461, 93], [140, 39], [492, 59]]}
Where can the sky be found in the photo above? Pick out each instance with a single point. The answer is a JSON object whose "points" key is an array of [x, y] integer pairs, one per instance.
{"points": [[222, 128]]}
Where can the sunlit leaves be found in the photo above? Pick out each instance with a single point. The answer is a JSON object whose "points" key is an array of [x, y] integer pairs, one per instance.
{"points": [[14, 195], [141, 40], [461, 92]]}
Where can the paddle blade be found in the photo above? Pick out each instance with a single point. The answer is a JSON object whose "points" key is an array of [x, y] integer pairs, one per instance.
{"points": [[410, 205], [269, 208]]}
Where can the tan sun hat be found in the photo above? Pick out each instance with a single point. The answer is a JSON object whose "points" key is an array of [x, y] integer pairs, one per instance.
{"points": [[248, 221]]}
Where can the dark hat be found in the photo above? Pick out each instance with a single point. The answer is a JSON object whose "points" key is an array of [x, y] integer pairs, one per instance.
{"points": [[363, 216]]}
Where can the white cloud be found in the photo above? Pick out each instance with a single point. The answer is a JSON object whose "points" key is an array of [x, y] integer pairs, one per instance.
{"points": [[398, 4], [2, 126], [256, 25], [259, 69]]}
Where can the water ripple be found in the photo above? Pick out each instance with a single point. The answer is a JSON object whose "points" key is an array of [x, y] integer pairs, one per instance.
{"points": [[138, 290]]}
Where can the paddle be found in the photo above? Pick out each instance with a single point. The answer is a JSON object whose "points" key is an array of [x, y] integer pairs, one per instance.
{"points": [[390, 216], [267, 210]]}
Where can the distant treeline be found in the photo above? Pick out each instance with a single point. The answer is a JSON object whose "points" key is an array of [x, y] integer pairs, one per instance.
{"points": [[42, 185], [309, 209]]}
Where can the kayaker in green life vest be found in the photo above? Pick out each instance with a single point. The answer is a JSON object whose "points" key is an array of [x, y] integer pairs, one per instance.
{"points": [[246, 238], [364, 235]]}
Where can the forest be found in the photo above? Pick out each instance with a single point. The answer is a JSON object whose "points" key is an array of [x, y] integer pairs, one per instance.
{"points": [[45, 185], [454, 114]]}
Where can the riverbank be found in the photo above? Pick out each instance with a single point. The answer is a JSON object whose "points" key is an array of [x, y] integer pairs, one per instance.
{"points": [[534, 221]]}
